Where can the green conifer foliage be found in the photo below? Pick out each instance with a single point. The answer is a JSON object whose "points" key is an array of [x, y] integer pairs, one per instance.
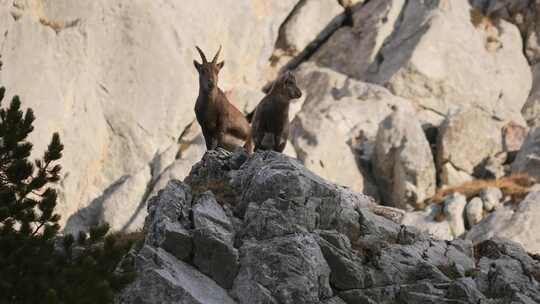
{"points": [[36, 265]]}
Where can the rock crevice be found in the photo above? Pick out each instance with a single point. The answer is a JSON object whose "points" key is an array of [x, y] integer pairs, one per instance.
{"points": [[264, 229]]}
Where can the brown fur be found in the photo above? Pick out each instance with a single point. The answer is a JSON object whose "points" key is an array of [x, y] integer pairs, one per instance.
{"points": [[222, 124], [270, 125]]}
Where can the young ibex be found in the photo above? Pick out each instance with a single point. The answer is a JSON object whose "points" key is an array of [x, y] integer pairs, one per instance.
{"points": [[270, 122], [222, 124]]}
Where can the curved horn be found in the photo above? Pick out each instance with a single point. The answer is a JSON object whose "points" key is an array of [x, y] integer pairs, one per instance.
{"points": [[202, 54], [217, 55]]}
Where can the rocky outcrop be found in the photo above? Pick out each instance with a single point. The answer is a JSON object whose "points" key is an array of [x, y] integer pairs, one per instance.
{"points": [[428, 221], [531, 109], [116, 78], [306, 21], [402, 162], [482, 66], [461, 152], [352, 49], [528, 158], [334, 132], [302, 239], [524, 14], [517, 224]]}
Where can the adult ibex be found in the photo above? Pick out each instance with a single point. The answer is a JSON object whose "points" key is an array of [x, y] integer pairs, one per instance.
{"points": [[270, 121], [222, 124]]}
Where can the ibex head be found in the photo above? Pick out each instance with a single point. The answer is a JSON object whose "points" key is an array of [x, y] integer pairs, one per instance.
{"points": [[286, 85], [208, 71]]}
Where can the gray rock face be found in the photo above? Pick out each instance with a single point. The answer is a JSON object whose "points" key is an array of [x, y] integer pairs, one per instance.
{"points": [[214, 254], [288, 269], [518, 225], [479, 66], [303, 240], [164, 279], [334, 132], [125, 208], [531, 109], [528, 158], [168, 221], [306, 21], [491, 197], [122, 206], [426, 221], [513, 136], [460, 148], [524, 14], [454, 210], [115, 77], [351, 50], [474, 211], [403, 164]]}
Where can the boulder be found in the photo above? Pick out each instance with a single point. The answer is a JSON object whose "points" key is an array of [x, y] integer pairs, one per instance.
{"points": [[454, 211], [347, 272], [122, 206], [302, 239], [402, 163], [164, 279], [481, 66], [518, 225], [459, 146], [495, 166], [504, 267], [168, 222], [277, 217], [528, 158], [450, 175], [352, 49], [513, 136], [326, 204], [334, 132], [305, 22], [523, 13], [291, 268], [474, 211], [177, 241], [531, 109], [127, 85], [491, 197], [213, 250], [427, 222]]}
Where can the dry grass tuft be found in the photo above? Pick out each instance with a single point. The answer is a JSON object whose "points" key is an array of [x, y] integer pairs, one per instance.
{"points": [[125, 238], [55, 25], [517, 186], [58, 26]]}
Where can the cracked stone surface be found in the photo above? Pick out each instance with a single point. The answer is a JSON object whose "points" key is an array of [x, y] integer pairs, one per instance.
{"points": [[463, 68], [352, 49], [334, 133], [302, 239], [116, 78], [460, 146], [403, 164], [528, 158]]}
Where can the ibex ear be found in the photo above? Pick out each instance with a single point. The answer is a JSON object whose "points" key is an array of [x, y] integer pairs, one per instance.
{"points": [[197, 65], [220, 65]]}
